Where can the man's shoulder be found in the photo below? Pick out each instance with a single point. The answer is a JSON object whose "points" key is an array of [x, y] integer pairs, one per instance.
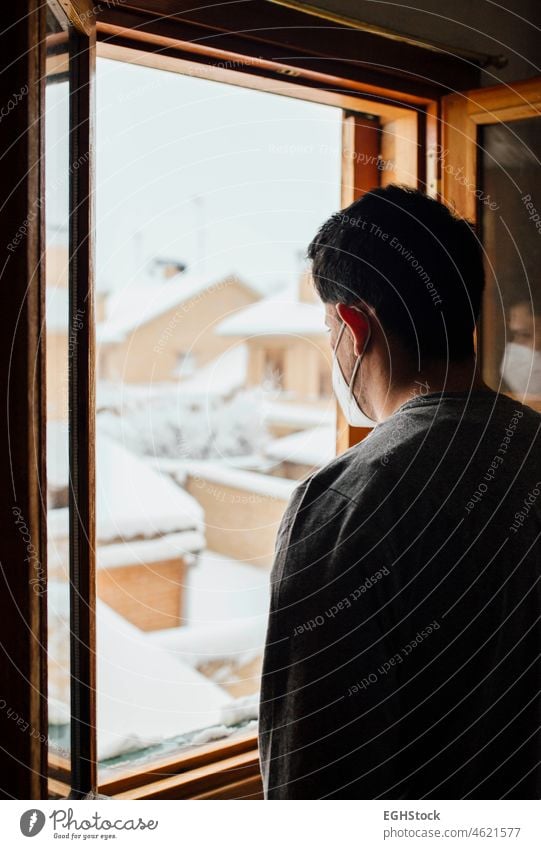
{"points": [[354, 471], [421, 431]]}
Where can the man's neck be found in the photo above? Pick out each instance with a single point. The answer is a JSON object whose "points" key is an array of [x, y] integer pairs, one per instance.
{"points": [[447, 377]]}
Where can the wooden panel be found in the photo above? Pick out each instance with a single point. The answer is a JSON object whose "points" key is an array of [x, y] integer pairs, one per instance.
{"points": [[505, 102], [82, 417], [361, 146], [303, 42], [23, 572], [58, 789], [80, 13], [167, 54], [461, 116], [248, 788], [59, 767], [400, 151], [458, 156], [149, 596], [202, 780]]}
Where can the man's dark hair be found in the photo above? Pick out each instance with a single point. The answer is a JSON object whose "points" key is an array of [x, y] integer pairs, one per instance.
{"points": [[406, 255]]}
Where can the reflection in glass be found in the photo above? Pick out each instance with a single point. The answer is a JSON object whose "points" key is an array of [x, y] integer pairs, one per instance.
{"points": [[511, 228]]}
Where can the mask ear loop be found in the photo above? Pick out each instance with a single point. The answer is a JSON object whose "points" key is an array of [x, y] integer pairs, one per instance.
{"points": [[361, 355], [340, 334], [369, 336]]}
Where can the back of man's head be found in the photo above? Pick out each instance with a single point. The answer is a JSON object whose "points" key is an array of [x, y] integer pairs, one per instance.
{"points": [[407, 256]]}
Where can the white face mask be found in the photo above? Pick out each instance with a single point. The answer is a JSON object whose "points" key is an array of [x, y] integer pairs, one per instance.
{"points": [[521, 369], [344, 391]]}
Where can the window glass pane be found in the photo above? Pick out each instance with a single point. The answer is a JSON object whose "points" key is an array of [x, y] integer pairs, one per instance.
{"points": [[511, 226], [57, 346], [213, 395]]}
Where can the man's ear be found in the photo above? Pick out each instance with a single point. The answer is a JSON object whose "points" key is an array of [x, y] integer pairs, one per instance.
{"points": [[358, 325]]}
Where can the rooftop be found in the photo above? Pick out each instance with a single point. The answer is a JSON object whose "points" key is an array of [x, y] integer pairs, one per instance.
{"points": [[143, 300], [280, 314]]}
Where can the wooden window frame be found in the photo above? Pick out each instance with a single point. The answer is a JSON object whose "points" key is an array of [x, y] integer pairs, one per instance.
{"points": [[82, 414], [81, 775], [23, 624], [462, 115], [461, 118]]}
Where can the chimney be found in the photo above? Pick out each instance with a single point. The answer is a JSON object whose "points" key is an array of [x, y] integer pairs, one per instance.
{"points": [[168, 268]]}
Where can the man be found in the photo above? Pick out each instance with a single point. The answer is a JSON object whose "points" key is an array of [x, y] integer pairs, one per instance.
{"points": [[403, 647], [521, 365]]}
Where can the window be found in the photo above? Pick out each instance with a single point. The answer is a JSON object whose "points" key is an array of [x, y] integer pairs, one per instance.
{"points": [[509, 207], [490, 175], [217, 351], [200, 228]]}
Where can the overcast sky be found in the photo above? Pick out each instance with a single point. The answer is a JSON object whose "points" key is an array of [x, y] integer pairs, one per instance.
{"points": [[222, 178]]}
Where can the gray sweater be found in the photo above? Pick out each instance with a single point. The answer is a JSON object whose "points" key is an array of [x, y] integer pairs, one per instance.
{"points": [[404, 637]]}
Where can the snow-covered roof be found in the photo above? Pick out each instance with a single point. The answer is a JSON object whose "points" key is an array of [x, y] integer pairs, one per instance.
{"points": [[280, 314], [169, 547], [211, 470], [116, 395], [226, 611], [313, 447], [219, 378], [132, 499], [146, 695], [136, 304], [298, 415]]}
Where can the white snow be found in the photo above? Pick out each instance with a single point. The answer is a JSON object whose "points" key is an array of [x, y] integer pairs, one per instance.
{"points": [[267, 485], [313, 447], [238, 641], [145, 695], [226, 609], [298, 415], [218, 732], [221, 377], [132, 499], [241, 709], [171, 424], [116, 395], [279, 314], [164, 548], [57, 454], [177, 468], [221, 589], [57, 309], [58, 524]]}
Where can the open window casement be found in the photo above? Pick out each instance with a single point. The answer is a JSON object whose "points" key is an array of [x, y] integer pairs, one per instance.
{"points": [[489, 163]]}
